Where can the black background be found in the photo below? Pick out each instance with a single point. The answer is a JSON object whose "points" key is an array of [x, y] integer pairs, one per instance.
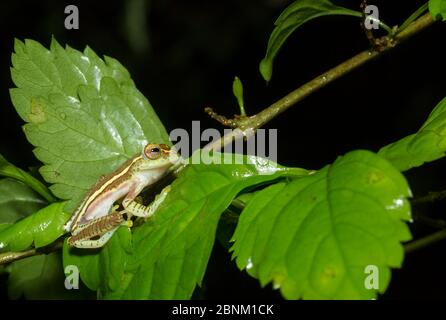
{"points": [[187, 55]]}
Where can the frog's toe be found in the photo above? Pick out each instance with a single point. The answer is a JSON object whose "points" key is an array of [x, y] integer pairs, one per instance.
{"points": [[128, 223]]}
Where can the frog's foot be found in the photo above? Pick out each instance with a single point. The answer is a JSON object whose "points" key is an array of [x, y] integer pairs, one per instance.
{"points": [[127, 223]]}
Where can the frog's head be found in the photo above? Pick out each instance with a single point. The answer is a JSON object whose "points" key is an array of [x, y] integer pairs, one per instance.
{"points": [[158, 156]]}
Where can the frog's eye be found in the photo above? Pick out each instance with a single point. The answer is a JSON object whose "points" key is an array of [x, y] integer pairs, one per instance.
{"points": [[152, 151]]}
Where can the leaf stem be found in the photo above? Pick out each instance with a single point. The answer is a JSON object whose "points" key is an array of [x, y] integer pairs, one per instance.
{"points": [[382, 24], [430, 222], [385, 27], [430, 197], [413, 17], [242, 109], [426, 241]]}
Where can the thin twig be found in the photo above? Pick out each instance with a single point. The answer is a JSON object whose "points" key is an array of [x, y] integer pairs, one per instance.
{"points": [[430, 197], [269, 113], [12, 256], [428, 221], [222, 119], [8, 257], [426, 241]]}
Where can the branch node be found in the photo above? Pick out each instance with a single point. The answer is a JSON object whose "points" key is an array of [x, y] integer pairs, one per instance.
{"points": [[377, 44], [232, 123]]}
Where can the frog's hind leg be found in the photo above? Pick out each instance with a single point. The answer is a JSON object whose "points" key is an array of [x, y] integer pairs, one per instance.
{"points": [[103, 228], [98, 243], [91, 244]]}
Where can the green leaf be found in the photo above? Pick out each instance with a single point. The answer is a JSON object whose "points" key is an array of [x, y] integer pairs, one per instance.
{"points": [[39, 277], [83, 114], [437, 9], [171, 250], [313, 237], [427, 145], [295, 15], [17, 201], [9, 170], [40, 229]]}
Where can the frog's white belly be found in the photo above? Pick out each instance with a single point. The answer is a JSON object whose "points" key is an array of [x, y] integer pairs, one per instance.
{"points": [[102, 204]]}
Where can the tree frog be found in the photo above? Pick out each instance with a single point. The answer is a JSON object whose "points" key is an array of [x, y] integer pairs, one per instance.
{"points": [[96, 215]]}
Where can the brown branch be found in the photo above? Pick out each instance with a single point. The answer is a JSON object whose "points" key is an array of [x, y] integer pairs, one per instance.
{"points": [[430, 197], [426, 241], [12, 256], [428, 221], [269, 113]]}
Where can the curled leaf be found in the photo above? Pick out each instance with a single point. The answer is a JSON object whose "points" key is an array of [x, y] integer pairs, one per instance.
{"points": [[295, 15]]}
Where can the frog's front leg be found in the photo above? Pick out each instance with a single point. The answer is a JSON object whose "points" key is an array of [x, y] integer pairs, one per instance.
{"points": [[140, 210]]}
